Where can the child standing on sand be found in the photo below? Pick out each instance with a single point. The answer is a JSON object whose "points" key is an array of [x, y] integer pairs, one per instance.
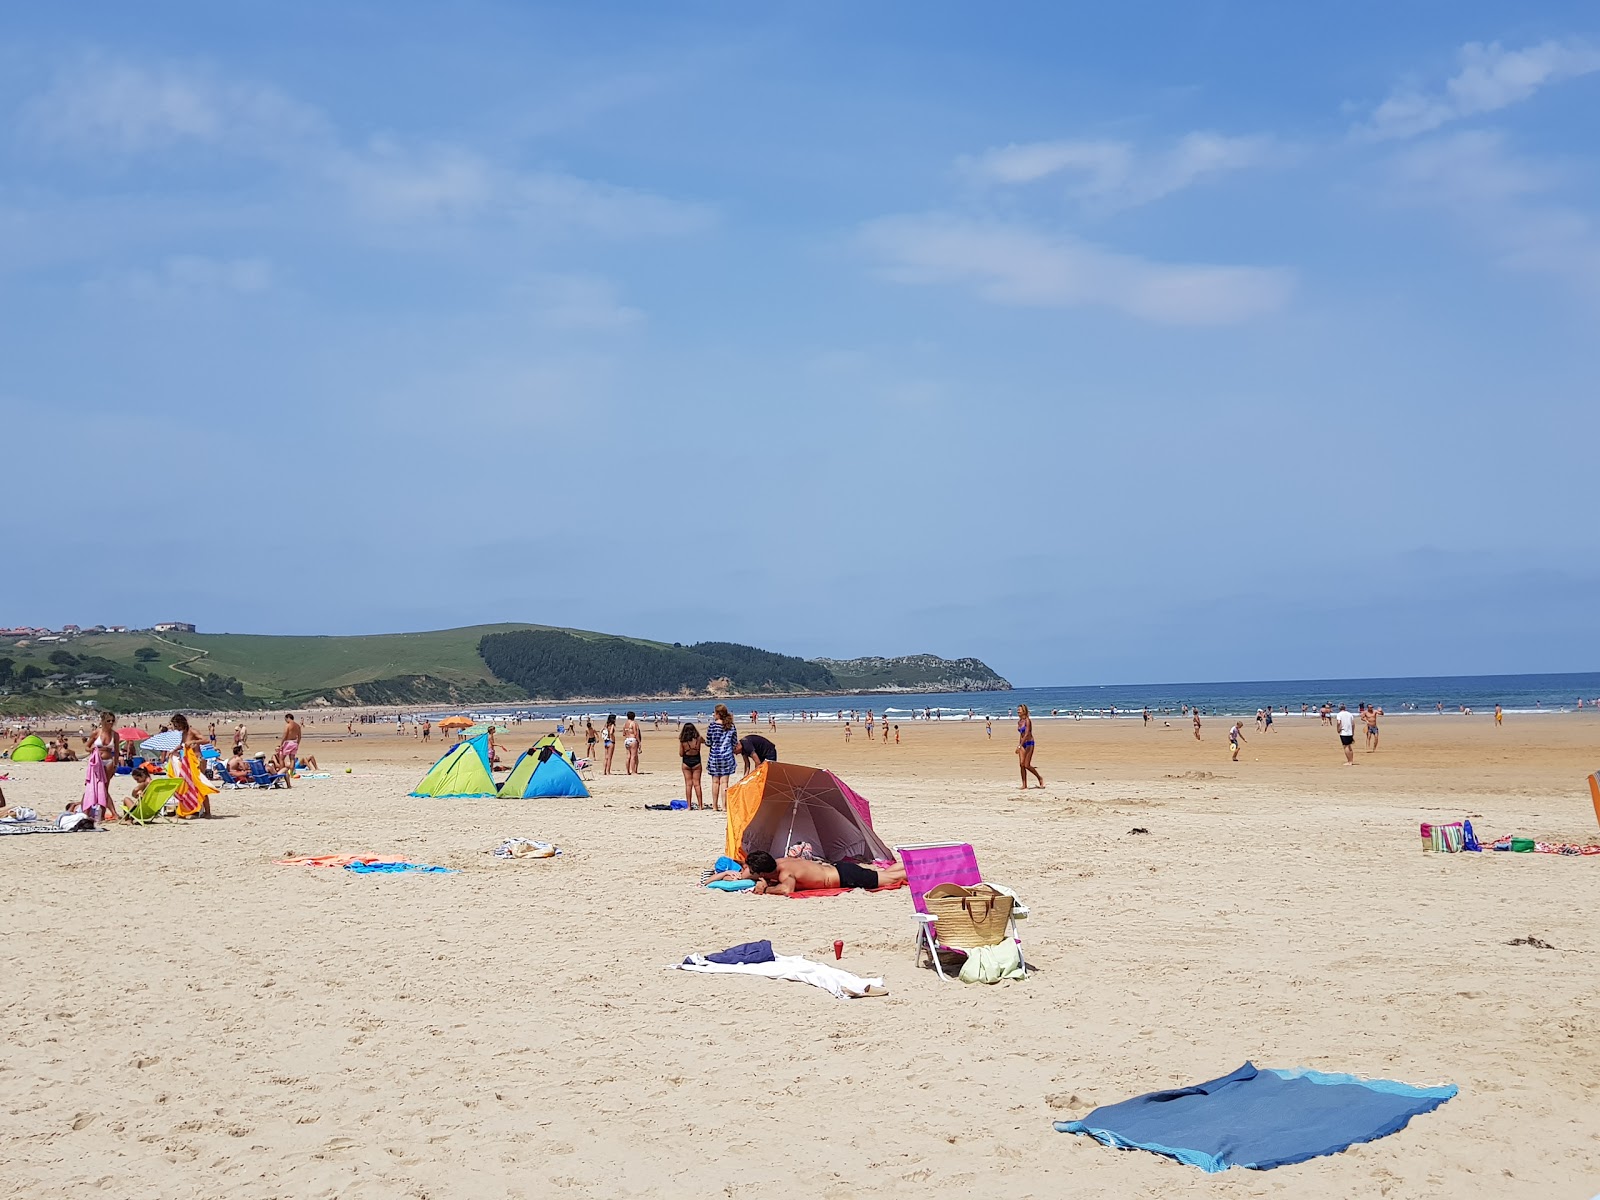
{"points": [[1235, 736]]}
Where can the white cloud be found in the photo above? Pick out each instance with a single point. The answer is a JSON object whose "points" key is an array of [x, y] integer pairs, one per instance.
{"points": [[105, 105], [1017, 265], [1491, 78], [1508, 205], [108, 107], [1117, 174], [579, 303], [187, 275]]}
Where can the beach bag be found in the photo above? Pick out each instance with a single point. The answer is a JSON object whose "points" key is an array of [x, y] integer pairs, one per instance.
{"points": [[968, 917], [1447, 839]]}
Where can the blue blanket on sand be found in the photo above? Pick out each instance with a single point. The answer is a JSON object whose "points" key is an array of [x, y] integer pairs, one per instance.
{"points": [[396, 868], [1260, 1119]]}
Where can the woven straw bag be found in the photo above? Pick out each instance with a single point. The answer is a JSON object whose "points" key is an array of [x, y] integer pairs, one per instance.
{"points": [[968, 917]]}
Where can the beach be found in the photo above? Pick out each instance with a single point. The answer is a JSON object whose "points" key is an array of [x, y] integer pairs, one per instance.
{"points": [[187, 1018]]}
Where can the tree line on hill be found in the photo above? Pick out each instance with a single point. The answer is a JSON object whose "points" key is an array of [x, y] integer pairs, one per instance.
{"points": [[549, 664], [115, 683]]}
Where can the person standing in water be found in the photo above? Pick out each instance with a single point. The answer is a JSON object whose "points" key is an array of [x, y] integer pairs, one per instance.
{"points": [[1025, 746]]}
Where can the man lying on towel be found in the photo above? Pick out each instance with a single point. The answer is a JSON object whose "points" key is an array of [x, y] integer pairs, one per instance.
{"points": [[785, 876]]}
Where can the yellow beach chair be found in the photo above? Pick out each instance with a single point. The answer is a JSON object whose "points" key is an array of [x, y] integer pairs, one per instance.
{"points": [[158, 793]]}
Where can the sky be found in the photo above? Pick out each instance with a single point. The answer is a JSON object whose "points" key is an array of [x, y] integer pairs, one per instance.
{"points": [[1114, 343]]}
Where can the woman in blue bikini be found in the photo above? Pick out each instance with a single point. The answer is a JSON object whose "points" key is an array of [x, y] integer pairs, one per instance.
{"points": [[1025, 746]]}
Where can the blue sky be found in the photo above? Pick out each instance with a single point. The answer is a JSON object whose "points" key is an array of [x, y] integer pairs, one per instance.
{"points": [[1179, 341]]}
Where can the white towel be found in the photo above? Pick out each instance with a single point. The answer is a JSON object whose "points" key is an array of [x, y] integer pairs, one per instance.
{"points": [[798, 968]]}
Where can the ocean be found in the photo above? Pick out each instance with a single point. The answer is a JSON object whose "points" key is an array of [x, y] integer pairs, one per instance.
{"points": [[1397, 697]]}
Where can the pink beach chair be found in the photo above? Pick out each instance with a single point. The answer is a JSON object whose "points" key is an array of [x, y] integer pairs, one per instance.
{"points": [[927, 866]]}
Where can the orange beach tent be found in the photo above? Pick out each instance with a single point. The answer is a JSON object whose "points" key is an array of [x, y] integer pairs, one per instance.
{"points": [[780, 804]]}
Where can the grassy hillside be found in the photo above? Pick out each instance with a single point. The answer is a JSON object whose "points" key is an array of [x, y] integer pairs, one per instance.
{"points": [[144, 671]]}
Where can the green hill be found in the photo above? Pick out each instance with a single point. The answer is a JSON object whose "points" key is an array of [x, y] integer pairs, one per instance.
{"points": [[475, 664]]}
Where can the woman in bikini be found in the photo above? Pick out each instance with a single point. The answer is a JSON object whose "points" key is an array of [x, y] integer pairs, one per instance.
{"points": [[1025, 746], [102, 768], [610, 740], [689, 745], [185, 765], [632, 735]]}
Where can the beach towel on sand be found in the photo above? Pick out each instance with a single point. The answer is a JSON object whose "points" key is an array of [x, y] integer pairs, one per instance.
{"points": [[841, 984], [1260, 1119]]}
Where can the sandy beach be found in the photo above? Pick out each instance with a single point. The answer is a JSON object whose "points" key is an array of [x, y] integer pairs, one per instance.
{"points": [[185, 1018]]}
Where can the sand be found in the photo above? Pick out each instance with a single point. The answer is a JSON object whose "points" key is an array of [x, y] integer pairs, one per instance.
{"points": [[187, 1019]]}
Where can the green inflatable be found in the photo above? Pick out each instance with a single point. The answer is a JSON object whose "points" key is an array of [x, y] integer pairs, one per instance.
{"points": [[30, 749]]}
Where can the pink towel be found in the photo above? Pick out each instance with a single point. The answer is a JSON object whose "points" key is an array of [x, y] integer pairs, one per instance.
{"points": [[96, 797]]}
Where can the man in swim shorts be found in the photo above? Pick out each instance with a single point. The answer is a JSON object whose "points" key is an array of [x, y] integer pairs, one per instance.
{"points": [[1346, 722], [289, 748], [785, 876]]}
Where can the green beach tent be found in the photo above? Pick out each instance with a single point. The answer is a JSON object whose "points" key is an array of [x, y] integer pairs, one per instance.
{"points": [[463, 771], [30, 749], [543, 773]]}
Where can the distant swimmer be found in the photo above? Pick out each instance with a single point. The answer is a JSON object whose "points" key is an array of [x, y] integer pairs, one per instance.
{"points": [[1025, 746]]}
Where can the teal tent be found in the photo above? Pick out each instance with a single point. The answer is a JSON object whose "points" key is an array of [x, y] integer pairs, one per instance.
{"points": [[463, 771], [543, 773]]}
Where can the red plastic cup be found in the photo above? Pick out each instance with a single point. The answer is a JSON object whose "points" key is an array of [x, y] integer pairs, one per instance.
{"points": [[838, 949]]}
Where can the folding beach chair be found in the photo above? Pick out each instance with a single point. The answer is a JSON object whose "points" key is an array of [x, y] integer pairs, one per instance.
{"points": [[265, 778], [158, 793], [927, 866]]}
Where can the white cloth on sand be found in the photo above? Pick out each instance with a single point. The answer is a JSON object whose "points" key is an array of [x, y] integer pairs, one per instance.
{"points": [[798, 968]]}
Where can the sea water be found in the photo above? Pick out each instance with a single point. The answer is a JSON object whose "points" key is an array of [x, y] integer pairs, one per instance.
{"points": [[1423, 695]]}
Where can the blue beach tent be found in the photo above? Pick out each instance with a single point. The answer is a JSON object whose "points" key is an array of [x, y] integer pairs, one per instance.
{"points": [[463, 771], [543, 772]]}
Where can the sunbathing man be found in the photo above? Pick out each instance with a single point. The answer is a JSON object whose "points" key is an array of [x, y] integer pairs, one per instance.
{"points": [[237, 767], [785, 876]]}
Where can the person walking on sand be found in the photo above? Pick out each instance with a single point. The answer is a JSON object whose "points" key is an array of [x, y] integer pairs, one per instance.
{"points": [[1500, 717], [632, 737], [1346, 722], [1235, 736], [608, 739], [1197, 724], [690, 744], [1025, 747], [1372, 728], [721, 738], [590, 738]]}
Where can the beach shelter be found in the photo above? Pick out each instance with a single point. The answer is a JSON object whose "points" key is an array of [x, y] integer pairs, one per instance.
{"points": [[30, 749], [555, 743], [538, 773], [455, 723], [463, 771], [779, 805]]}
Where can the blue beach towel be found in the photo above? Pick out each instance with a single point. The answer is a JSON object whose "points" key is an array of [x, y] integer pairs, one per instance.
{"points": [[1260, 1119], [742, 954], [395, 868], [731, 885]]}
